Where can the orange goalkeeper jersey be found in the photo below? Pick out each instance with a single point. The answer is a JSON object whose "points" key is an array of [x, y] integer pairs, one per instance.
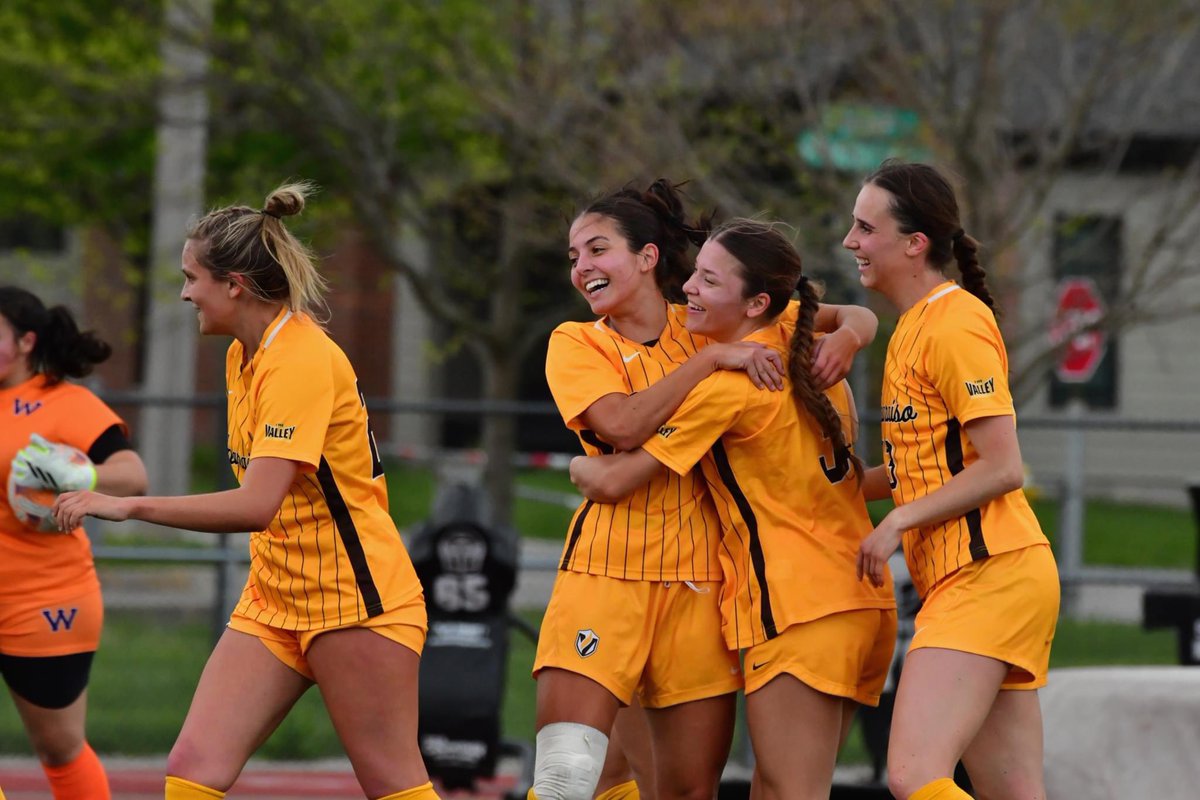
{"points": [[33, 563]]}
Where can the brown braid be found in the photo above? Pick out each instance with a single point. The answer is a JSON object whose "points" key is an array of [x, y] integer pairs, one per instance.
{"points": [[974, 276], [804, 388]]}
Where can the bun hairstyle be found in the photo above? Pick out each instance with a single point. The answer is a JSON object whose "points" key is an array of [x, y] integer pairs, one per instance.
{"points": [[770, 264], [60, 350], [923, 201], [255, 244], [656, 216]]}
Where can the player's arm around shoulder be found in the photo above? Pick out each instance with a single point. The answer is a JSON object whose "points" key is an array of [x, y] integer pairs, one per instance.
{"points": [[612, 478], [846, 331]]}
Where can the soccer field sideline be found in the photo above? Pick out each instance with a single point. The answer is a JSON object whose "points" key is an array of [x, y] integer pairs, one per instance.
{"points": [[325, 779]]}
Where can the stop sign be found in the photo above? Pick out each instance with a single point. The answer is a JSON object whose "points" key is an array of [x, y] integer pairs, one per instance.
{"points": [[1079, 306]]}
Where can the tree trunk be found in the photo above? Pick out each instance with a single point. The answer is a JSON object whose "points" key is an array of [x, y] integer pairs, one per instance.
{"points": [[165, 434], [500, 435]]}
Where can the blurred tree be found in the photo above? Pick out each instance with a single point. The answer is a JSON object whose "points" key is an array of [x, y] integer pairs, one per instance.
{"points": [[77, 81], [486, 124], [1023, 98], [482, 125]]}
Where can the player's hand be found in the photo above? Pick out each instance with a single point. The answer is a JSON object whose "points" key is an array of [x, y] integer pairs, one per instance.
{"points": [[762, 364], [71, 507], [55, 466], [876, 549], [582, 470], [833, 354]]}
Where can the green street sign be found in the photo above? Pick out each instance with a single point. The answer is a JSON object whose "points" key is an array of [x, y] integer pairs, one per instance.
{"points": [[857, 138]]}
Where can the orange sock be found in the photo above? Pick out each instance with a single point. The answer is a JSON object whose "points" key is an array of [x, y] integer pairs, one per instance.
{"points": [[179, 789], [941, 789], [82, 779], [423, 792]]}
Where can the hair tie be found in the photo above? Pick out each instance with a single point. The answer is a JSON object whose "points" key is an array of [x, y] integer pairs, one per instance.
{"points": [[266, 213], [801, 283], [958, 234]]}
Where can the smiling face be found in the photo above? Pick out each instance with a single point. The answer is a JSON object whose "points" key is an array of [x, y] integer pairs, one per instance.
{"points": [[604, 269], [716, 306], [212, 297], [15, 350], [875, 239]]}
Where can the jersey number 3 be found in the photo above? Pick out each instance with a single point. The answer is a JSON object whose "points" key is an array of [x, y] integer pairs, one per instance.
{"points": [[889, 454]]}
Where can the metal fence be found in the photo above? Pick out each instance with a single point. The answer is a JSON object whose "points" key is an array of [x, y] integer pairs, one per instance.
{"points": [[1070, 474]]}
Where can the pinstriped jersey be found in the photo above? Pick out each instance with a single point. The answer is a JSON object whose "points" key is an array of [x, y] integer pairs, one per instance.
{"points": [[792, 513], [36, 563], [332, 555], [946, 365], [667, 530]]}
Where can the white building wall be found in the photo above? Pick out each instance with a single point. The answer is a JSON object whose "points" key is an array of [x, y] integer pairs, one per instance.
{"points": [[1158, 364]]}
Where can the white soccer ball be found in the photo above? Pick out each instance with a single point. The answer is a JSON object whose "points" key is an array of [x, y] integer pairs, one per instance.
{"points": [[31, 502]]}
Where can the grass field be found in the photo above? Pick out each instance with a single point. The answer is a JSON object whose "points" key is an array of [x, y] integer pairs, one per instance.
{"points": [[147, 668]]}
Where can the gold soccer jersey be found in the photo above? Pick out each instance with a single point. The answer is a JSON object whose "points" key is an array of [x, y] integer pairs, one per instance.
{"points": [[946, 365], [332, 555], [791, 511], [666, 530]]}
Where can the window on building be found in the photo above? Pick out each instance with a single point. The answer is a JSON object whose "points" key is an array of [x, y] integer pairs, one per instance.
{"points": [[1088, 246]]}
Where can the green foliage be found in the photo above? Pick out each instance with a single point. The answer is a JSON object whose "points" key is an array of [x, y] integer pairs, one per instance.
{"points": [[77, 81]]}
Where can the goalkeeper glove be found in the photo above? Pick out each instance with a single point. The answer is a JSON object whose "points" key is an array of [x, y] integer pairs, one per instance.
{"points": [[59, 467]]}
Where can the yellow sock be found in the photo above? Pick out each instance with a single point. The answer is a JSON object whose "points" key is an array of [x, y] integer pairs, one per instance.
{"points": [[528, 795], [179, 789], [941, 789], [622, 791], [423, 792]]}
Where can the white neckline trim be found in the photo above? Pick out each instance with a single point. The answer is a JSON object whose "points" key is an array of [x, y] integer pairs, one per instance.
{"points": [[271, 336], [952, 287]]}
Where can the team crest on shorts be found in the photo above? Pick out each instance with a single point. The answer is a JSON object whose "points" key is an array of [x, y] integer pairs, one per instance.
{"points": [[586, 642]]}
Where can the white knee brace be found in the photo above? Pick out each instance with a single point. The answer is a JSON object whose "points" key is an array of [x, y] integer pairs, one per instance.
{"points": [[568, 760]]}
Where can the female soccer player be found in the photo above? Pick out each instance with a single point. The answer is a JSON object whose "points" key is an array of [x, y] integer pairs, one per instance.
{"points": [[332, 597], [639, 579], [51, 611], [817, 640], [953, 466]]}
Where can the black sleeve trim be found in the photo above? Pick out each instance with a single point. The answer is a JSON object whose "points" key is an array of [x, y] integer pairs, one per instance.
{"points": [[113, 440]]}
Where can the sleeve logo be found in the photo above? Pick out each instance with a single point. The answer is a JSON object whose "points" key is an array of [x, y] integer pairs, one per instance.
{"points": [[665, 432], [279, 431], [975, 388]]}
